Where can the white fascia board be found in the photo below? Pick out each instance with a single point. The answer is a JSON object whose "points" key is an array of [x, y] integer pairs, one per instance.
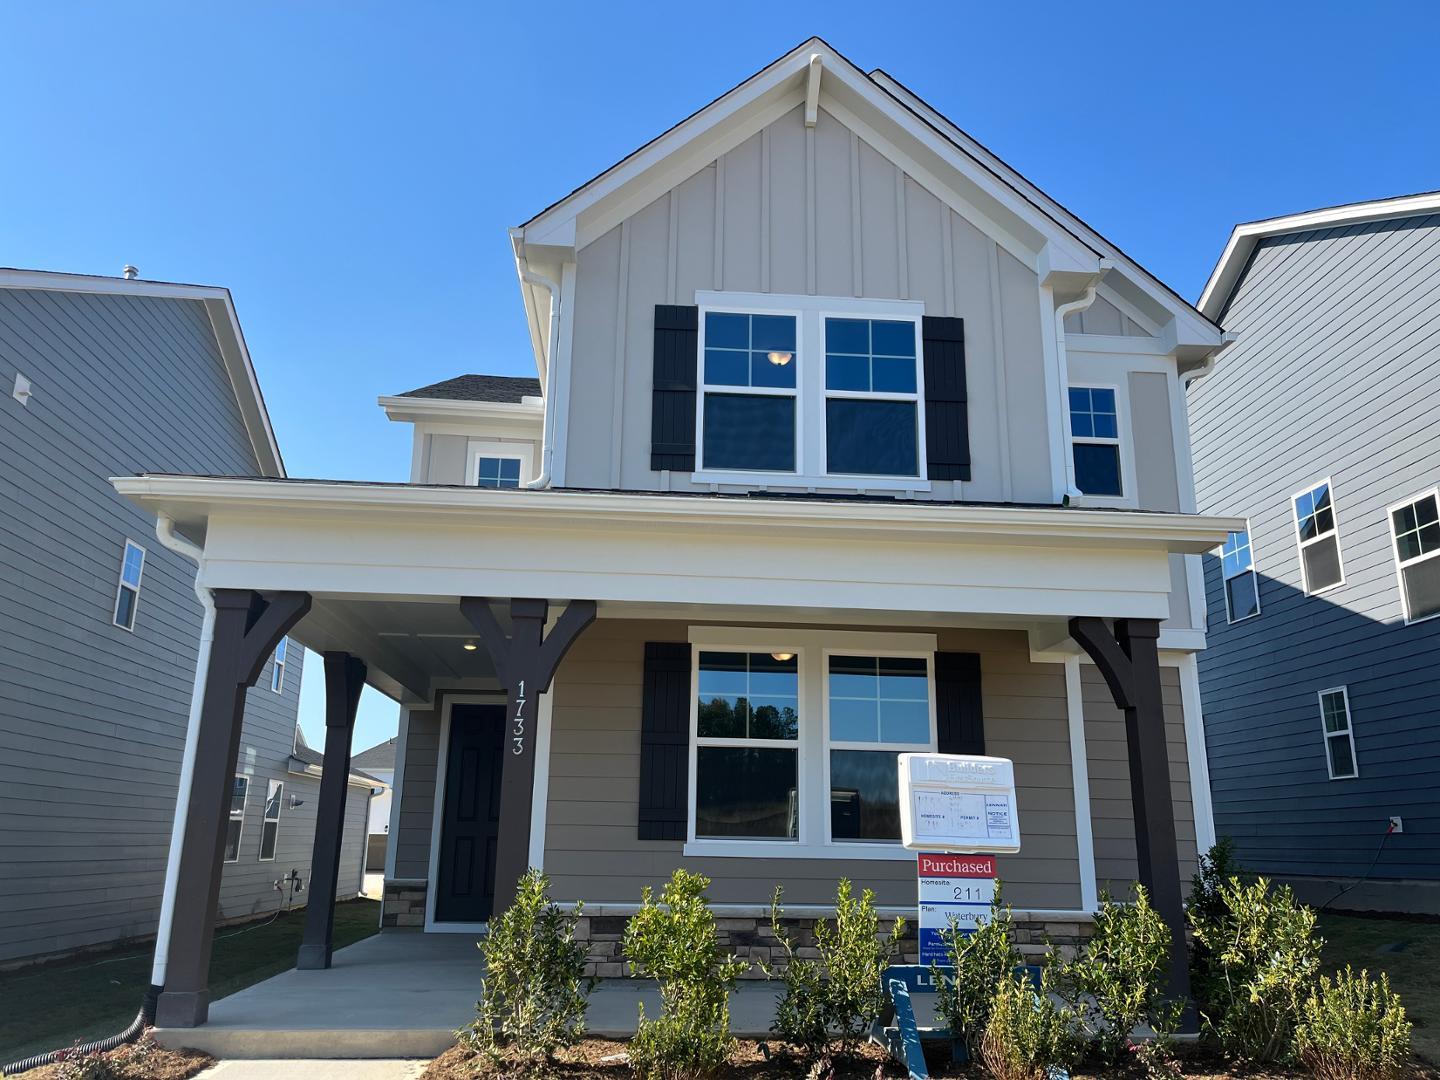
{"points": [[224, 322], [414, 410], [1244, 237]]}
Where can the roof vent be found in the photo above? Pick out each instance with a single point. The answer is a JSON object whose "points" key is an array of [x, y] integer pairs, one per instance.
{"points": [[130, 272]]}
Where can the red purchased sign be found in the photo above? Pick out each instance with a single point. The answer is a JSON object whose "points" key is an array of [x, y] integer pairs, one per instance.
{"points": [[957, 865]]}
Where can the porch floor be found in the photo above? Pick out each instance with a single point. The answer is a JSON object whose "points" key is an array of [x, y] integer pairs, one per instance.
{"points": [[403, 993]]}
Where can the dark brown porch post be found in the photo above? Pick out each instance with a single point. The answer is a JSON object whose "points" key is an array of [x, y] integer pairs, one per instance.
{"points": [[525, 663], [247, 629], [1130, 663], [344, 679]]}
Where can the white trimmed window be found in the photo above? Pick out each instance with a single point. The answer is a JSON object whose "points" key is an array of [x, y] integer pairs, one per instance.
{"points": [[1242, 585], [806, 391], [1339, 736], [270, 824], [235, 827], [1095, 441], [127, 592], [1318, 537], [500, 465], [277, 669], [796, 738], [1415, 529]]}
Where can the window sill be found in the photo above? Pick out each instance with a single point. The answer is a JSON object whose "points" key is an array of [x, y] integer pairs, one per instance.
{"points": [[785, 849], [794, 481]]}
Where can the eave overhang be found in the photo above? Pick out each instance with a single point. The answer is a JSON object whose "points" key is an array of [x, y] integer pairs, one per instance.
{"points": [[416, 410]]}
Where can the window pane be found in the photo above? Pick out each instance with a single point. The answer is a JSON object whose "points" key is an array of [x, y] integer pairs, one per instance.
{"points": [[1092, 413], [1332, 708], [725, 331], [1097, 468], [133, 564], [773, 369], [232, 840], [1422, 588], [744, 431], [882, 699], [510, 469], [854, 720], [237, 795], [1322, 563], [1416, 530], [891, 375], [871, 438], [727, 367], [773, 718], [272, 801], [745, 792], [864, 795], [748, 695], [125, 607], [1242, 594], [269, 833], [772, 333], [1342, 760], [889, 338], [847, 336], [847, 372], [1235, 557], [905, 722]]}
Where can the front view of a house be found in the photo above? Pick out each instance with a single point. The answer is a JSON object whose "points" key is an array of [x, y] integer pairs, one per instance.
{"points": [[847, 441]]}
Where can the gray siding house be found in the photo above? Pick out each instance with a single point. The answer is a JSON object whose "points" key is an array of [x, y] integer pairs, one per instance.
{"points": [[1320, 683], [99, 621]]}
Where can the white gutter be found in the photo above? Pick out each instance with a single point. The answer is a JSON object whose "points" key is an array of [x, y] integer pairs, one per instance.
{"points": [[165, 530], [547, 437], [1071, 490]]}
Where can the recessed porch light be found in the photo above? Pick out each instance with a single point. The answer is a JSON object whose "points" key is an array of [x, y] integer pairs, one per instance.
{"points": [[469, 646]]}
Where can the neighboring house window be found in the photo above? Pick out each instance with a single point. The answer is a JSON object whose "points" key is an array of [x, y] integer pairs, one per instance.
{"points": [[1095, 441], [1415, 527], [497, 472], [1339, 738], [277, 670], [270, 826], [127, 594], [877, 707], [1242, 586], [1319, 540], [871, 399], [747, 739], [749, 389], [240, 788]]}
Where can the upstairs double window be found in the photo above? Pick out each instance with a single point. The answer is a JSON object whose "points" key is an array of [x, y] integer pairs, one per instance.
{"points": [[1415, 529], [812, 388], [1319, 538]]}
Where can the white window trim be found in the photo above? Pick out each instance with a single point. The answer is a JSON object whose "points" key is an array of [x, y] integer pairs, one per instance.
{"points": [[482, 448], [1252, 570], [121, 585], [1300, 544], [232, 816], [812, 747], [810, 313], [1400, 565], [277, 666], [279, 787], [1128, 497], [1348, 733]]}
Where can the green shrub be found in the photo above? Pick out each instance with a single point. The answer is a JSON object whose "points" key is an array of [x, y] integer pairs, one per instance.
{"points": [[1216, 867], [830, 1003], [674, 942], [1117, 980], [1026, 1033], [72, 1065], [980, 962], [1261, 955], [1353, 1029], [534, 995]]}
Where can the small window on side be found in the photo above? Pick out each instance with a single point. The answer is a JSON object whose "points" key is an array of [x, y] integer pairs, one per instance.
{"points": [[270, 825], [1319, 539], [1415, 529], [497, 472], [277, 669], [235, 827], [1095, 441], [127, 592], [1242, 584], [1339, 736]]}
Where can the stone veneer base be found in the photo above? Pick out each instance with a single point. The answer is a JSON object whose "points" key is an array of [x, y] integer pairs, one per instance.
{"points": [[402, 903]]}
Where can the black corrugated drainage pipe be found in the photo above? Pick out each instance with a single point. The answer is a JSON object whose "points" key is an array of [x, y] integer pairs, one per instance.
{"points": [[142, 1020]]}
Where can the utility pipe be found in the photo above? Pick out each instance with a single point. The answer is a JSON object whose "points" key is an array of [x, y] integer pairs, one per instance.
{"points": [[547, 436], [165, 530]]}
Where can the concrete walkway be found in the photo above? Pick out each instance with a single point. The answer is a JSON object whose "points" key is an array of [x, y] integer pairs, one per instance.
{"points": [[290, 1069]]}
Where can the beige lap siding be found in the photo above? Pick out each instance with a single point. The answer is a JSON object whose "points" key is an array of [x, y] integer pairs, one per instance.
{"points": [[592, 852], [1111, 811]]}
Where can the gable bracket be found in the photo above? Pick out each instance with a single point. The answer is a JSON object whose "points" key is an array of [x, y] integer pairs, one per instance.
{"points": [[812, 91]]}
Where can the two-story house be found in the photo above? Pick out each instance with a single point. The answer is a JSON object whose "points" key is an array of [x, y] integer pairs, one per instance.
{"points": [[846, 441], [100, 622], [1317, 427]]}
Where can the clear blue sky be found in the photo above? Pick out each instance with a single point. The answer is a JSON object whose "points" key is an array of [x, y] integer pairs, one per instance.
{"points": [[349, 170]]}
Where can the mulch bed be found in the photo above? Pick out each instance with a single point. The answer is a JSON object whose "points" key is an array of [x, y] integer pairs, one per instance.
{"points": [[145, 1060], [593, 1059]]}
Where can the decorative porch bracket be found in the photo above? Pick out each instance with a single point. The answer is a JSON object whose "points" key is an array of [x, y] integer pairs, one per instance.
{"points": [[525, 663], [247, 629], [1129, 661], [344, 679]]}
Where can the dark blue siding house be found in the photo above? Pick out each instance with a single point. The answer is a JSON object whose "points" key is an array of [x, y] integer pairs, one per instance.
{"points": [[1321, 680]]}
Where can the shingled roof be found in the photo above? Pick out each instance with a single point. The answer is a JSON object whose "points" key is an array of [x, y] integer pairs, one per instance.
{"points": [[500, 388]]}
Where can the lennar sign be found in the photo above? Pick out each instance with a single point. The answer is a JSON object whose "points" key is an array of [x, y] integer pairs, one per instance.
{"points": [[958, 811]]}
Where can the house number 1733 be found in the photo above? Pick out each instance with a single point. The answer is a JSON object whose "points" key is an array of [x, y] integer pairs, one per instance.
{"points": [[517, 730]]}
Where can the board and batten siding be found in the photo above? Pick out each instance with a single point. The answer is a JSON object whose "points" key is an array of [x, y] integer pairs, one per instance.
{"points": [[1332, 374], [92, 717], [805, 212]]}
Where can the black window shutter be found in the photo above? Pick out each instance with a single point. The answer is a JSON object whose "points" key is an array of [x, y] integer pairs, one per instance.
{"points": [[665, 741], [947, 423], [672, 408], [959, 712]]}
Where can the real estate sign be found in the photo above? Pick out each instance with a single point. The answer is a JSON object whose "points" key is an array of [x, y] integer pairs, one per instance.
{"points": [[958, 887]]}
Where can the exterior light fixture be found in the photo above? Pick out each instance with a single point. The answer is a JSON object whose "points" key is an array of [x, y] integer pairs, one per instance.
{"points": [[780, 359], [469, 646], [782, 656]]}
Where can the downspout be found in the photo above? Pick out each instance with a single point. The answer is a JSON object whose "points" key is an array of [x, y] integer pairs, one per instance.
{"points": [[1071, 491], [547, 437]]}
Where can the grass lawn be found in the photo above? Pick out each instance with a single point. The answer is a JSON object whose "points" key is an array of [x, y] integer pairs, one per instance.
{"points": [[99, 994], [1409, 952]]}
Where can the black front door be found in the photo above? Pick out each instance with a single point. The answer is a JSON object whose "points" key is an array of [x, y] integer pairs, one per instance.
{"points": [[471, 826]]}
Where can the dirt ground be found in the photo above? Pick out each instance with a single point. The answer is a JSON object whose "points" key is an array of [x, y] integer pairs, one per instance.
{"points": [[143, 1061]]}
